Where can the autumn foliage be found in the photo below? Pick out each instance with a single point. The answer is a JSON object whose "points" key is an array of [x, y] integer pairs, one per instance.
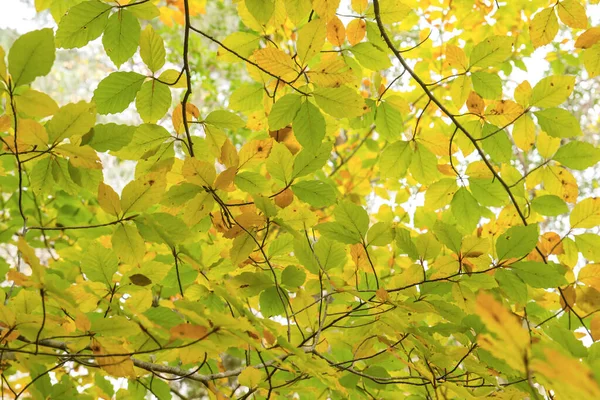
{"points": [[359, 200]]}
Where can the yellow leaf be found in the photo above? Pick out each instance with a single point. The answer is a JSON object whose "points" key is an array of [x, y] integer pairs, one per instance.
{"points": [[360, 6], [336, 31], [188, 331], [254, 152], [118, 366], [572, 14], [456, 58], [591, 60], [80, 156], [523, 93], [225, 179], [590, 275], [143, 192], [523, 133], [475, 103], [588, 38], [128, 244], [595, 327], [568, 377], [108, 199], [242, 246], [543, 27], [547, 145], [560, 182], [510, 341], [250, 377], [326, 9], [276, 62], [586, 213], [460, 89], [199, 172], [32, 133], [393, 11], [356, 31], [331, 72], [177, 117], [552, 91], [311, 39], [28, 254]]}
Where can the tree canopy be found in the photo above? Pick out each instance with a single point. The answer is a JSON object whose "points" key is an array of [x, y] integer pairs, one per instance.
{"points": [[379, 199]]}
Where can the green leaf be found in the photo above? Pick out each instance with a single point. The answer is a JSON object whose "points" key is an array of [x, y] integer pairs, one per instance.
{"points": [[465, 209], [304, 253], [338, 232], [512, 285], [406, 244], [293, 276], [117, 91], [440, 194], [128, 244], [552, 91], [251, 182], [140, 194], [262, 10], [380, 234], [517, 242], [153, 101], [423, 165], [243, 43], [280, 163], [330, 254], [224, 120], [31, 55], [586, 213], [395, 159], [549, 205], [99, 264], [36, 104], [284, 110], [311, 39], [272, 302], [388, 122], [497, 144], [492, 51], [82, 24], [121, 37], [578, 155], [370, 56], [448, 235], [353, 217], [540, 275], [144, 10], [340, 102], [309, 161], [488, 192], [309, 126], [152, 49], [71, 120], [488, 86], [559, 123], [316, 193]]}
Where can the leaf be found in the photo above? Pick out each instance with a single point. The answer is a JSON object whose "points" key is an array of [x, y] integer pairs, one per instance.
{"points": [[356, 31], [448, 235], [330, 254], [572, 14], [336, 31], [388, 121], [440, 193], [82, 24], [309, 126], [250, 377], [326, 8], [71, 120], [80, 156], [586, 213], [341, 102], [251, 182], [393, 11], [224, 119], [276, 62], [591, 60], [588, 38], [338, 232], [128, 244], [121, 37], [558, 122], [540, 275], [108, 199], [141, 193], [491, 51], [117, 91], [284, 110], [311, 39], [199, 172], [309, 161], [153, 101], [353, 217], [293, 276], [36, 104], [261, 10], [465, 209], [316, 193], [152, 49], [243, 43], [543, 27], [370, 56], [280, 163], [488, 86], [578, 155], [549, 205], [395, 159], [272, 302], [552, 91], [99, 264], [31, 55], [517, 242]]}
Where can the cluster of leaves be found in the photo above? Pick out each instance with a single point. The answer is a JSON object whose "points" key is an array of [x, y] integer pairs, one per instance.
{"points": [[327, 235]]}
